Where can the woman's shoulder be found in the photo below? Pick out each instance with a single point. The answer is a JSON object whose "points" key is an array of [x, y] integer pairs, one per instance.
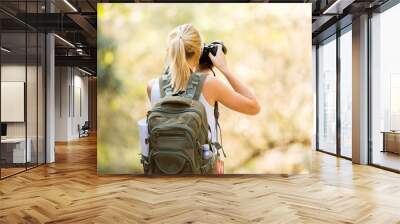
{"points": [[208, 77], [210, 88], [214, 88], [211, 81]]}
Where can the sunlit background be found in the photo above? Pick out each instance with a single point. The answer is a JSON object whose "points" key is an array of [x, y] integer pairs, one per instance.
{"points": [[269, 48]]}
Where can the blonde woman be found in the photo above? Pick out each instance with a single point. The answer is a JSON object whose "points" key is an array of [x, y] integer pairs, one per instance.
{"points": [[183, 54]]}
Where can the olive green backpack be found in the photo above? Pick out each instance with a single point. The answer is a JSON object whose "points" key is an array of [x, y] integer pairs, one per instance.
{"points": [[178, 131]]}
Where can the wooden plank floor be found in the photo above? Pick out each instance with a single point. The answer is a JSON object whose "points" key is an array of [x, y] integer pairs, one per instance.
{"points": [[70, 191]]}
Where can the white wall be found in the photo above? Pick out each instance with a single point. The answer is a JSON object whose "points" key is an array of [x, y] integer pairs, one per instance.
{"points": [[71, 93], [33, 126], [62, 82], [12, 73], [81, 100]]}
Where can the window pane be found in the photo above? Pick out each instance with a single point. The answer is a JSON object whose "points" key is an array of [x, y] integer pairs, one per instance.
{"points": [[386, 88], [345, 94], [15, 151], [22, 89], [31, 99], [327, 96], [394, 101]]}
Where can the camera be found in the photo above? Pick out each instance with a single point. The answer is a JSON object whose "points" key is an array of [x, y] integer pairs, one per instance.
{"points": [[212, 48]]}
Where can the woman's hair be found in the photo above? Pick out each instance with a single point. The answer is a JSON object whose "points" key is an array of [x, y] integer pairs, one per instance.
{"points": [[184, 46]]}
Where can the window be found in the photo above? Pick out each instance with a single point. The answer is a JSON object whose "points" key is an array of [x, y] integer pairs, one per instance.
{"points": [[346, 92], [394, 102], [327, 95], [22, 76], [17, 153], [385, 89]]}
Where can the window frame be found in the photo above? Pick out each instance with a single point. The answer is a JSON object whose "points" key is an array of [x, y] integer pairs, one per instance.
{"points": [[29, 29], [334, 37]]}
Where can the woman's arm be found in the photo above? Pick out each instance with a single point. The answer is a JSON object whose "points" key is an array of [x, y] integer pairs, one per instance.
{"points": [[239, 98]]}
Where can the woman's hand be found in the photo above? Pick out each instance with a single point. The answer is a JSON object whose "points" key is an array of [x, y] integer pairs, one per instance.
{"points": [[219, 60], [239, 98]]}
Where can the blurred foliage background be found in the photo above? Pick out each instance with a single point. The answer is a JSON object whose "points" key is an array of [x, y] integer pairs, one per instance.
{"points": [[269, 48]]}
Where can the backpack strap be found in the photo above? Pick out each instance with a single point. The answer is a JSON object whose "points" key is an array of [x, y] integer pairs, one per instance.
{"points": [[195, 85], [193, 90], [165, 85], [217, 126]]}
